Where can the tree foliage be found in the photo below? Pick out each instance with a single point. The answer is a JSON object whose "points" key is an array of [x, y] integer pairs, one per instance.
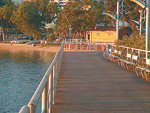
{"points": [[134, 41], [31, 16], [6, 11], [27, 18], [129, 13], [81, 15]]}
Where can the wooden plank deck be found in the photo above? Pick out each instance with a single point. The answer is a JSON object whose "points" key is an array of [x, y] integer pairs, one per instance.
{"points": [[89, 83]]}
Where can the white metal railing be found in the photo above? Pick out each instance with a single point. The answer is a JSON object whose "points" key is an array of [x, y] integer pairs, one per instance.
{"points": [[85, 40], [132, 50], [47, 87], [85, 45]]}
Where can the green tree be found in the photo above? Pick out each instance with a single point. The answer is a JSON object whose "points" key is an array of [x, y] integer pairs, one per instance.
{"points": [[31, 16], [27, 18], [81, 15], [47, 9], [6, 11], [129, 13], [51, 37]]}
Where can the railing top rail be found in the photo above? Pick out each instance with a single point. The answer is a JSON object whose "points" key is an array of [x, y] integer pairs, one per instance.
{"points": [[24, 109], [133, 48], [36, 96]]}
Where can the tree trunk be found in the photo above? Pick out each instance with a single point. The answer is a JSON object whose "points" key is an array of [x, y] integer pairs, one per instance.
{"points": [[3, 31], [33, 36]]}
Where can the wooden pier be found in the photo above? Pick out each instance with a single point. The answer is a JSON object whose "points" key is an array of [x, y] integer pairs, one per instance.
{"points": [[89, 83]]}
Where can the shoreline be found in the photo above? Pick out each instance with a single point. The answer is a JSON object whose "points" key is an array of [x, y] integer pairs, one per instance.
{"points": [[8, 46]]}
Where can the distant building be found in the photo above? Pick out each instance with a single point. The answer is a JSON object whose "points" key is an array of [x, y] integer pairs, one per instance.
{"points": [[64, 2], [107, 33], [60, 2]]}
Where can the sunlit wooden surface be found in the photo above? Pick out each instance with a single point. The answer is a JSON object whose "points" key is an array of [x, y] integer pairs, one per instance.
{"points": [[89, 83]]}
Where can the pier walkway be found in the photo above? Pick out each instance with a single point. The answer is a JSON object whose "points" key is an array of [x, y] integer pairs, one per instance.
{"points": [[89, 83]]}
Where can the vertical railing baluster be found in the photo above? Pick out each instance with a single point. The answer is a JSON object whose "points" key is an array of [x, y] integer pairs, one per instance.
{"points": [[32, 108], [90, 47], [139, 53], [96, 46], [44, 99], [146, 54], [54, 84], [102, 47], [77, 46], [69, 46], [51, 91]]}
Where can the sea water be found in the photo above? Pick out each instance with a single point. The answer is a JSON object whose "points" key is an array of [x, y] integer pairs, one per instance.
{"points": [[20, 73]]}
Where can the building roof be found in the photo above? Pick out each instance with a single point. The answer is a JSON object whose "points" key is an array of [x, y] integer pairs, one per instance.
{"points": [[108, 28]]}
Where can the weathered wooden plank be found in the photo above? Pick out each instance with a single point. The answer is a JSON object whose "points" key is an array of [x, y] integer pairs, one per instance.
{"points": [[91, 84]]}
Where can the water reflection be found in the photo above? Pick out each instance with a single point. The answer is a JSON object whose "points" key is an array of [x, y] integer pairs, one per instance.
{"points": [[20, 74]]}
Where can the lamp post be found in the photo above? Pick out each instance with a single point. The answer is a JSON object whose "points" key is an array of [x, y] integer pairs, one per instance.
{"points": [[68, 26], [115, 18], [147, 24], [142, 4], [140, 22], [117, 21]]}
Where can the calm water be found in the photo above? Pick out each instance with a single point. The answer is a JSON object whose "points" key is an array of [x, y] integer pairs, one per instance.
{"points": [[20, 74]]}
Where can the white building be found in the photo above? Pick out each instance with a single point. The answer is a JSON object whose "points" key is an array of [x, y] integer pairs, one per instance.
{"points": [[60, 2]]}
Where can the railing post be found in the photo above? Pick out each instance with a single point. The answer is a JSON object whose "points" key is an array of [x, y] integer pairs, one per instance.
{"points": [[103, 47], [138, 52], [132, 50], [56, 73], [96, 46], [51, 92], [54, 84], [127, 50], [146, 54], [58, 64], [147, 25], [77, 46], [90, 47], [69, 46], [32, 108], [24, 109], [44, 99]]}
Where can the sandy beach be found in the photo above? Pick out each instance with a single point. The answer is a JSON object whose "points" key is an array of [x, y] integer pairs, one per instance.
{"points": [[28, 47]]}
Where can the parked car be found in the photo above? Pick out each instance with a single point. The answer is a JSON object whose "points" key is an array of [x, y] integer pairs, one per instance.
{"points": [[28, 37]]}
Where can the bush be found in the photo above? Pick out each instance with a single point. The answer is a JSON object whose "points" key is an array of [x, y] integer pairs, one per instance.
{"points": [[51, 37], [133, 41]]}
